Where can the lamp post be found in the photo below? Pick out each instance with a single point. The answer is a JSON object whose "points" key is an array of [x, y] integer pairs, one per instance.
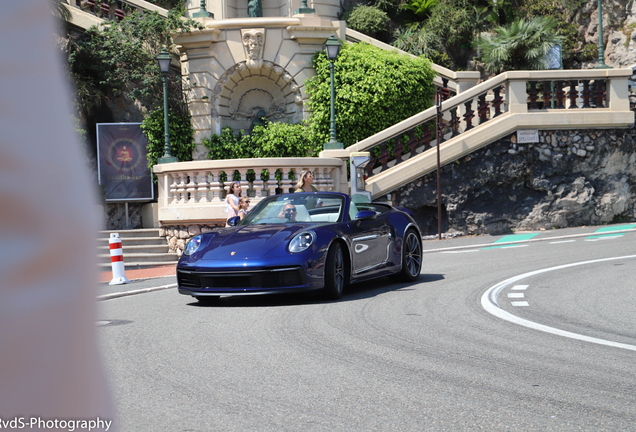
{"points": [[332, 46], [601, 50], [164, 59]]}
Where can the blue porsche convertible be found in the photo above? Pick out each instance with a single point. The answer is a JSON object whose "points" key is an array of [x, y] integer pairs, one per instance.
{"points": [[302, 242]]}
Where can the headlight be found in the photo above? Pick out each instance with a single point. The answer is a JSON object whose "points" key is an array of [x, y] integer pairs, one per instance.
{"points": [[302, 241], [193, 245]]}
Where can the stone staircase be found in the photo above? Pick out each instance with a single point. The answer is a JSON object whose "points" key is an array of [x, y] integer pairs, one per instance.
{"points": [[142, 248]]}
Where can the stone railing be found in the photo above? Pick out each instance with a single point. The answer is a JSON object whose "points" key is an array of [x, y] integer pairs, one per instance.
{"points": [[194, 192], [114, 9], [557, 99]]}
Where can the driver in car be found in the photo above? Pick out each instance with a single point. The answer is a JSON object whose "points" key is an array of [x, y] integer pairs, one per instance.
{"points": [[288, 213]]}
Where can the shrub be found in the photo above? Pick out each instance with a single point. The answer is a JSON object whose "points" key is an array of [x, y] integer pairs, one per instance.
{"points": [[375, 89], [283, 140], [269, 140], [369, 20], [181, 136], [452, 23]]}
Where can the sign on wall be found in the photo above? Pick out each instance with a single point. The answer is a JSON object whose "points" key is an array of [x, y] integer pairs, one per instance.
{"points": [[527, 136], [122, 166]]}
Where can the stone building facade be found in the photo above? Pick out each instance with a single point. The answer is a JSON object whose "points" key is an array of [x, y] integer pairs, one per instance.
{"points": [[243, 68]]}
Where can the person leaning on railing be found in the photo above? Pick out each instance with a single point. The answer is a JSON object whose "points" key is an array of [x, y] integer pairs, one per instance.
{"points": [[305, 184]]}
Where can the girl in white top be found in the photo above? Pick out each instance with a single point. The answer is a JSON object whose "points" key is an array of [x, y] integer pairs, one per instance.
{"points": [[232, 201], [243, 204]]}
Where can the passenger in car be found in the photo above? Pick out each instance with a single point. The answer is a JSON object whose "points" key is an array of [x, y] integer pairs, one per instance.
{"points": [[243, 205]]}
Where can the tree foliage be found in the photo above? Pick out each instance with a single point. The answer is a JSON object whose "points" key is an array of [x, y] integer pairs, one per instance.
{"points": [[369, 20], [375, 89], [420, 8], [120, 58], [522, 45], [452, 23], [181, 135]]}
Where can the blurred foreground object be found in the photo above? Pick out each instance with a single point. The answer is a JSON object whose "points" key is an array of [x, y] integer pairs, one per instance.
{"points": [[49, 362]]}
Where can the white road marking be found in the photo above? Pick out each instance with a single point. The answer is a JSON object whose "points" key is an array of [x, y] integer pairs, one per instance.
{"points": [[520, 303], [461, 251], [604, 238], [516, 295], [489, 303], [562, 241], [519, 287]]}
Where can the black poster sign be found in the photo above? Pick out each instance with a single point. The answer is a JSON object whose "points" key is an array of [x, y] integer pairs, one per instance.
{"points": [[122, 165]]}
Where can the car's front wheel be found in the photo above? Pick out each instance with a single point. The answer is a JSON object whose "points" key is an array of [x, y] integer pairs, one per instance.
{"points": [[411, 257], [335, 272]]}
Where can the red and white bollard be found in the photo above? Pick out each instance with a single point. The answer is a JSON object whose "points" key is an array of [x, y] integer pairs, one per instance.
{"points": [[117, 260]]}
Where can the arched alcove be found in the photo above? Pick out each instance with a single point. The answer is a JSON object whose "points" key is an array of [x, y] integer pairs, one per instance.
{"points": [[242, 91]]}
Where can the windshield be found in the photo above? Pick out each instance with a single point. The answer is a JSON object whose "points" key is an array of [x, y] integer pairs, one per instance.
{"points": [[296, 208]]}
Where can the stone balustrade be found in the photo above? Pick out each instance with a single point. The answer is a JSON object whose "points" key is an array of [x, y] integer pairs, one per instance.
{"points": [[551, 99], [194, 192]]}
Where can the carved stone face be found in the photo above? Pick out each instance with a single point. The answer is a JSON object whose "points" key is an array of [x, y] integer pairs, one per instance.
{"points": [[253, 42]]}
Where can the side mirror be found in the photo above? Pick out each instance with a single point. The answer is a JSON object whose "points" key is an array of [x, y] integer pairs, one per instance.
{"points": [[233, 221], [365, 215]]}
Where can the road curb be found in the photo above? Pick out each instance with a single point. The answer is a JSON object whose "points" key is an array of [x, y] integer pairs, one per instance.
{"points": [[134, 292]]}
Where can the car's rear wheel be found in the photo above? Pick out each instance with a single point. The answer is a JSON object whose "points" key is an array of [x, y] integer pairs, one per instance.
{"points": [[208, 300], [335, 272], [411, 257]]}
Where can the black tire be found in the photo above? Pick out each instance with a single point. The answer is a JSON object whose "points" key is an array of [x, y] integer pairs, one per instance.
{"points": [[411, 257], [335, 273], [208, 300]]}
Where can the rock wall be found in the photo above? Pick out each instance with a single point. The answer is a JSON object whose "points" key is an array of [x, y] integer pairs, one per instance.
{"points": [[178, 235], [619, 37], [569, 178], [115, 216]]}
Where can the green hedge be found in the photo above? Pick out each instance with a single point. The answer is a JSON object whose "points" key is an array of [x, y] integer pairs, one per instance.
{"points": [[181, 136], [375, 89]]}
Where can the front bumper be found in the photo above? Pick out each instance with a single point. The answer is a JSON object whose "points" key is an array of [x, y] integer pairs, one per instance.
{"points": [[205, 282]]}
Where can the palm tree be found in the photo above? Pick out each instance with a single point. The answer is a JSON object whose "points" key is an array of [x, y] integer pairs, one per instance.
{"points": [[522, 45]]}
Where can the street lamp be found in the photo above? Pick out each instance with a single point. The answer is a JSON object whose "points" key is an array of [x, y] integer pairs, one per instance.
{"points": [[601, 51], [332, 46], [164, 59]]}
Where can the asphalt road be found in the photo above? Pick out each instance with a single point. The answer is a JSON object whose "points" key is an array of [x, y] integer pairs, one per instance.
{"points": [[454, 351]]}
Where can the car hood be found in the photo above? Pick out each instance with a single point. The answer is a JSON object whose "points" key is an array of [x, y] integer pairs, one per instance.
{"points": [[251, 241]]}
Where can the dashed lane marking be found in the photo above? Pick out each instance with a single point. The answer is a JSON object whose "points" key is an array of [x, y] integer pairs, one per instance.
{"points": [[604, 237], [519, 287], [520, 303], [490, 304], [506, 246], [516, 295]]}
